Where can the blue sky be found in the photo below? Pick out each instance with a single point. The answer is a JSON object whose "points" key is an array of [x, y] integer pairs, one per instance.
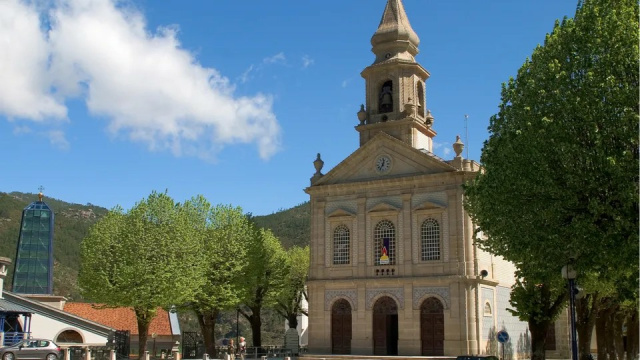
{"points": [[104, 101]]}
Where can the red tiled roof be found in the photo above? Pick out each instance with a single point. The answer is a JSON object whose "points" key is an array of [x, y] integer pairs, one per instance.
{"points": [[123, 318]]}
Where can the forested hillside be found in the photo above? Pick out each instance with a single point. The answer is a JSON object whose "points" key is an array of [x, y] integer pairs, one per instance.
{"points": [[291, 226]]}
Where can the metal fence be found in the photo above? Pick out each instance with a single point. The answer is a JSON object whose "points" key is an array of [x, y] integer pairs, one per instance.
{"points": [[256, 352]]}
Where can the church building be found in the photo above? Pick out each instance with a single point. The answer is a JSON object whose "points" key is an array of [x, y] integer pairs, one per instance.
{"points": [[394, 268]]}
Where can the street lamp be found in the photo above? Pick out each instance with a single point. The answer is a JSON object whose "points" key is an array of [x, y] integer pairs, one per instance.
{"points": [[154, 336], [569, 273]]}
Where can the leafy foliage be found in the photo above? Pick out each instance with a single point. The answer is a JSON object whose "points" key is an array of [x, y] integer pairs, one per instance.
{"points": [[222, 233], [561, 163], [143, 258], [267, 269], [289, 299]]}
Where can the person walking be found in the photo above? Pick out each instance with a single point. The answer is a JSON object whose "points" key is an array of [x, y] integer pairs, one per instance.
{"points": [[231, 350], [242, 348]]}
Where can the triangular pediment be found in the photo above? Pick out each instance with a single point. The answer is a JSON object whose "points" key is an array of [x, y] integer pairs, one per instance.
{"points": [[428, 205], [340, 213], [405, 160], [383, 207]]}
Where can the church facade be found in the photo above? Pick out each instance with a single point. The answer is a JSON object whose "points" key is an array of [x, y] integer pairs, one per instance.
{"points": [[394, 268]]}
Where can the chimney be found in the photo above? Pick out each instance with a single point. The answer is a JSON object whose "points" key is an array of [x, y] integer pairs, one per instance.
{"points": [[4, 267]]}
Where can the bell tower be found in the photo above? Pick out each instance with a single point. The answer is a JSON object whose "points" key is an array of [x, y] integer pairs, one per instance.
{"points": [[395, 84]]}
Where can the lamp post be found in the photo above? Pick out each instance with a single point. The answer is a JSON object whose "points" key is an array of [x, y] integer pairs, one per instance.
{"points": [[153, 336], [569, 273]]}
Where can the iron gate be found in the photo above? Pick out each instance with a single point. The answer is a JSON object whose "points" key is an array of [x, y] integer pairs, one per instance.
{"points": [[192, 345], [122, 344]]}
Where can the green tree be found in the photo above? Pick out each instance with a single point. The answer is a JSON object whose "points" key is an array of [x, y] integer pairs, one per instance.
{"points": [[539, 304], [144, 258], [289, 299], [561, 163], [265, 274], [223, 232]]}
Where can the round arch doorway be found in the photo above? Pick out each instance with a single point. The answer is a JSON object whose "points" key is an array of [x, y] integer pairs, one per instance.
{"points": [[341, 327], [385, 327], [432, 327]]}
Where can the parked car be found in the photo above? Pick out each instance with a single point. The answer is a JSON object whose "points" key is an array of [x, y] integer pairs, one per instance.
{"points": [[472, 357], [32, 349]]}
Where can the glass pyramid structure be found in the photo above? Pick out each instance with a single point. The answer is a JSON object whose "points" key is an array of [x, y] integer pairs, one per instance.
{"points": [[34, 257]]}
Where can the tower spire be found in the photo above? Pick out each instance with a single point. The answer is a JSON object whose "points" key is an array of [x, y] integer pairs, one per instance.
{"points": [[395, 36]]}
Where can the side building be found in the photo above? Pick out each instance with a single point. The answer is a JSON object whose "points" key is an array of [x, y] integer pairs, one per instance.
{"points": [[394, 269]]}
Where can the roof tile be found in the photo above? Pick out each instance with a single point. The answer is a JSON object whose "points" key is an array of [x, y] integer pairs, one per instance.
{"points": [[122, 318]]}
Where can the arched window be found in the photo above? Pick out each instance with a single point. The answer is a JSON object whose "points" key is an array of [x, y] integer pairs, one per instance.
{"points": [[69, 336], [341, 245], [420, 99], [385, 100], [430, 235], [384, 252]]}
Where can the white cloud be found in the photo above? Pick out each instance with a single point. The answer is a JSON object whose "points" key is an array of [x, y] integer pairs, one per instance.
{"points": [[24, 80], [246, 74], [21, 130], [345, 83], [444, 148], [58, 139], [278, 58], [144, 83], [307, 61]]}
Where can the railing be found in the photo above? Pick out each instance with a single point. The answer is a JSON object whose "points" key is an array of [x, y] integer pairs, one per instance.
{"points": [[12, 338], [269, 351], [385, 272]]}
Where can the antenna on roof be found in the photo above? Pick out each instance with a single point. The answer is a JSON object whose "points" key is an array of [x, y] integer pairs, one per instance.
{"points": [[466, 135], [40, 195]]}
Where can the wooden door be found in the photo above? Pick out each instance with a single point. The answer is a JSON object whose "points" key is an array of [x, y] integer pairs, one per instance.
{"points": [[341, 327], [385, 325], [432, 327]]}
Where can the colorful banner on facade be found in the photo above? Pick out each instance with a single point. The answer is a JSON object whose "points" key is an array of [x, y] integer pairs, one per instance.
{"points": [[384, 252]]}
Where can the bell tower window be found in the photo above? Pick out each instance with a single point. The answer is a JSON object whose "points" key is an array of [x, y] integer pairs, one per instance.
{"points": [[386, 98]]}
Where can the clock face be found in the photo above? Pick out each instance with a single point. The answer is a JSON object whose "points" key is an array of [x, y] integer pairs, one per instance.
{"points": [[383, 163]]}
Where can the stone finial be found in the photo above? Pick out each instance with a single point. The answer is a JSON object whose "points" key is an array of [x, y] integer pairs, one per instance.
{"points": [[362, 115], [458, 146], [429, 119], [318, 164]]}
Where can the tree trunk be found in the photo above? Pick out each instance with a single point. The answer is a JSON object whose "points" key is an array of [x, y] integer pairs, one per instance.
{"points": [[538, 338], [611, 349], [293, 320], [618, 323], [144, 317], [207, 321], [256, 326], [632, 335], [601, 335], [586, 310]]}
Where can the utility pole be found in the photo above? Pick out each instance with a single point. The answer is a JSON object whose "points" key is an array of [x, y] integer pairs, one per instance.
{"points": [[466, 136]]}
